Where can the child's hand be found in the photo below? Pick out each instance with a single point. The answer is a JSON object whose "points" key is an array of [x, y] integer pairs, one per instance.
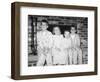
{"points": [[58, 49], [46, 50]]}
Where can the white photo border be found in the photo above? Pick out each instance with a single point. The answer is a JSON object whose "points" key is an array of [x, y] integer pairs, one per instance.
{"points": [[25, 70]]}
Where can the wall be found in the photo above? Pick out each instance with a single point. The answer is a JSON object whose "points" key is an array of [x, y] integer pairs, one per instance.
{"points": [[5, 40]]}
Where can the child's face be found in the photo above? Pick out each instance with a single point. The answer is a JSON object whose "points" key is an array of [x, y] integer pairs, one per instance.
{"points": [[73, 30], [66, 34], [57, 31], [44, 26]]}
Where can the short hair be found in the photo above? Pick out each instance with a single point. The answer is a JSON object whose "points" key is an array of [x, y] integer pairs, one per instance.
{"points": [[45, 21], [66, 31]]}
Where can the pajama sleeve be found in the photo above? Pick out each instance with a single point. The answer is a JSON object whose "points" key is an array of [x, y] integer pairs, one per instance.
{"points": [[39, 42], [70, 44], [50, 40], [78, 40]]}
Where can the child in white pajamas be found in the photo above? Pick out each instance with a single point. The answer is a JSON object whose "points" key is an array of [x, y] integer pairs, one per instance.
{"points": [[44, 44], [57, 49], [67, 44], [77, 52]]}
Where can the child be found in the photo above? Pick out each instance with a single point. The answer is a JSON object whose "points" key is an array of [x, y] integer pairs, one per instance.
{"points": [[67, 44], [77, 52], [44, 44], [57, 50]]}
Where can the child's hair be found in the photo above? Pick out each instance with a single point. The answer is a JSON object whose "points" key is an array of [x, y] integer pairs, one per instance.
{"points": [[73, 26], [45, 21], [66, 31]]}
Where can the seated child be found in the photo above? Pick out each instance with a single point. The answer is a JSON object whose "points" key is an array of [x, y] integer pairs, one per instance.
{"points": [[67, 44], [57, 49], [77, 52], [44, 45]]}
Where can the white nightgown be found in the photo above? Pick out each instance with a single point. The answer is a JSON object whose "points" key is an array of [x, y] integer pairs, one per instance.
{"points": [[57, 50]]}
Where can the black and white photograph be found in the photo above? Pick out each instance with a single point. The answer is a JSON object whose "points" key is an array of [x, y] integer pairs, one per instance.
{"points": [[50, 40], [57, 40]]}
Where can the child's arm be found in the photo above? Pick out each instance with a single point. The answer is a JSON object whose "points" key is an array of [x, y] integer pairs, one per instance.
{"points": [[50, 40], [71, 44], [48, 48], [78, 41]]}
